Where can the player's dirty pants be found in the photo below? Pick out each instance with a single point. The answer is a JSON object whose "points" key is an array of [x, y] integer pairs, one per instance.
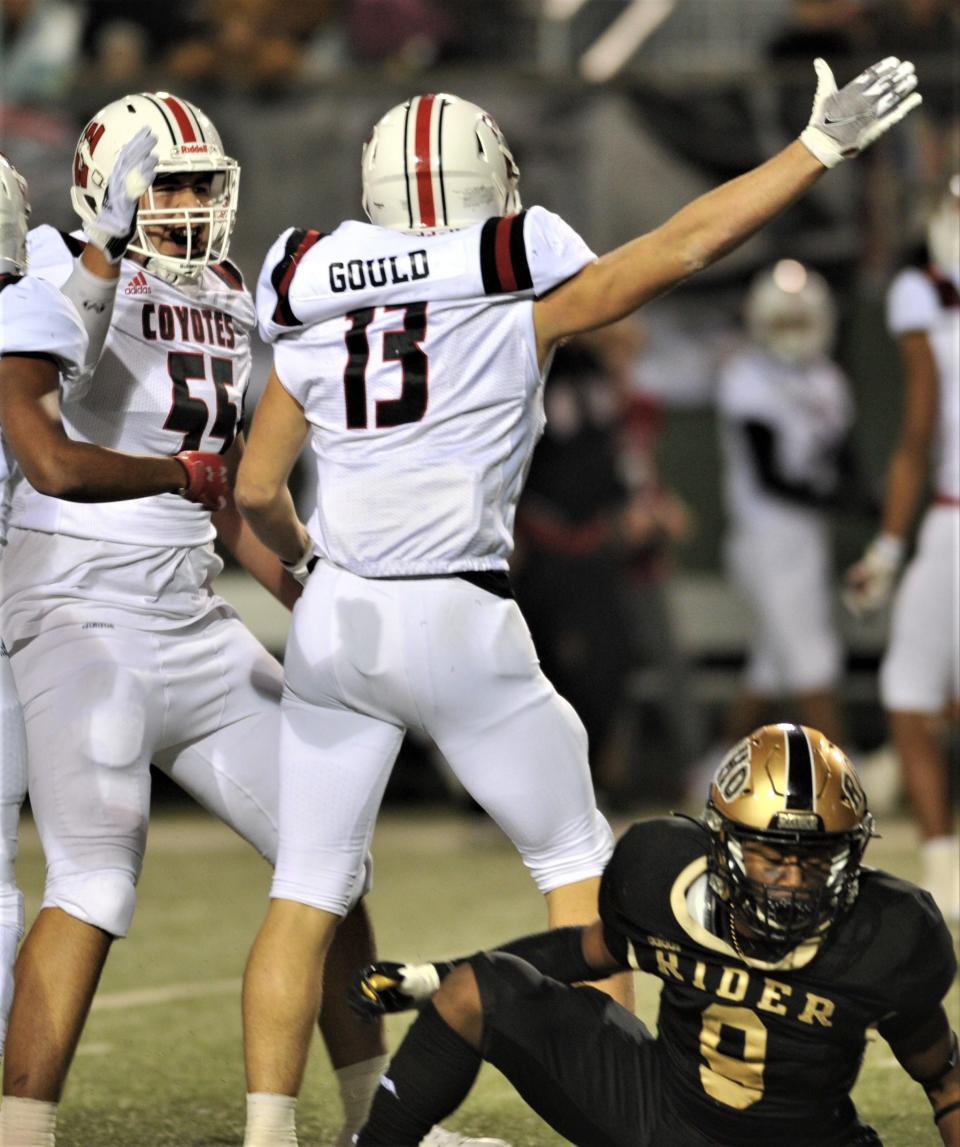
{"points": [[100, 703]]}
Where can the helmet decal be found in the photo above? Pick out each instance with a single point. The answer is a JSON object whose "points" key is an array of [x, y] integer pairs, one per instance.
{"points": [[801, 788]]}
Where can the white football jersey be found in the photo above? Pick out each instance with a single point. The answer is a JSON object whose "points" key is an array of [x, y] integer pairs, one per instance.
{"points": [[415, 361], [914, 303], [810, 411], [36, 319], [172, 377]]}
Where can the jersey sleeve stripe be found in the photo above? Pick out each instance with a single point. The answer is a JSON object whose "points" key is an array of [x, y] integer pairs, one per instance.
{"points": [[946, 290], [297, 246], [228, 273], [45, 356], [424, 175], [503, 256], [518, 253]]}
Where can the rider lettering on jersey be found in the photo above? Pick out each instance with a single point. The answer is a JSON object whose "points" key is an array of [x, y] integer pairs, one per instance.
{"points": [[359, 274], [172, 323], [736, 984]]}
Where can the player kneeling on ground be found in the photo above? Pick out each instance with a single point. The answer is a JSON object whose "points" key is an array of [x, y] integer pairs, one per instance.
{"points": [[777, 951]]}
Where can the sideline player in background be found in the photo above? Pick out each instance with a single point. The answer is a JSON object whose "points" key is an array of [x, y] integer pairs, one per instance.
{"points": [[777, 952], [414, 353], [44, 337], [920, 675], [120, 651], [785, 413]]}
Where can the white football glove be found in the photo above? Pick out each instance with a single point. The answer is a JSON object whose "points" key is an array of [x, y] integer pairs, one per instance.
{"points": [[869, 583], [844, 122], [132, 174]]}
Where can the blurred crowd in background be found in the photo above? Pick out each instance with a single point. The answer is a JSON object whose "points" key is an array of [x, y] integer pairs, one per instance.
{"points": [[625, 516]]}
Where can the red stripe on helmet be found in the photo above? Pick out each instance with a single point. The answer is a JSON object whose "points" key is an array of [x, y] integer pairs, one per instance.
{"points": [[182, 117], [422, 165], [505, 271]]}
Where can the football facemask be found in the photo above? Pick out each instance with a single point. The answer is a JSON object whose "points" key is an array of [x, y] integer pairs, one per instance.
{"points": [[178, 232], [14, 219], [788, 824], [789, 310], [437, 163]]}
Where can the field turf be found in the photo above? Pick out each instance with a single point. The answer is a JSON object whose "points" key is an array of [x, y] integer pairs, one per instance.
{"points": [[160, 1062]]}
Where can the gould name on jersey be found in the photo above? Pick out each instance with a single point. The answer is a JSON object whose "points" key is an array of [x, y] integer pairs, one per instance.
{"points": [[358, 274]]}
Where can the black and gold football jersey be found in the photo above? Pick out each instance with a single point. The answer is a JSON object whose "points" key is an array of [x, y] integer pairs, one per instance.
{"points": [[756, 1052]]}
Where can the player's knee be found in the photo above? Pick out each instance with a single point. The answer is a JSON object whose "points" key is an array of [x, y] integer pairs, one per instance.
{"points": [[458, 1002], [578, 853], [104, 899]]}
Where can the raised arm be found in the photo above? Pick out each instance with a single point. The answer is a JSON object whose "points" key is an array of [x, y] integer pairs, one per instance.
{"points": [[92, 285], [843, 123], [570, 955]]}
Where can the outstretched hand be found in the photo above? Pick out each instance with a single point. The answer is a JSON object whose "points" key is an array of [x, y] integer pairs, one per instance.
{"points": [[132, 174], [845, 122]]}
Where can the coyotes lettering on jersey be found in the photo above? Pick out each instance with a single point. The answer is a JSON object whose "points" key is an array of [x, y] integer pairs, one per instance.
{"points": [[36, 320], [172, 377], [414, 359]]}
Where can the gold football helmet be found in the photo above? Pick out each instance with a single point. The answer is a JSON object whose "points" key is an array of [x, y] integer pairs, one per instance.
{"points": [[788, 824]]}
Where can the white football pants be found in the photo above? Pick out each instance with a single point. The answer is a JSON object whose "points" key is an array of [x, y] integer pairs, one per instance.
{"points": [[367, 659]]}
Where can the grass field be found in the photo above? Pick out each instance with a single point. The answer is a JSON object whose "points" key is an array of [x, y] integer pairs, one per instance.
{"points": [[160, 1062]]}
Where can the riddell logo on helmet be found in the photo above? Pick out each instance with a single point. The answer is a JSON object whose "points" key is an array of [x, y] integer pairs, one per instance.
{"points": [[192, 149]]}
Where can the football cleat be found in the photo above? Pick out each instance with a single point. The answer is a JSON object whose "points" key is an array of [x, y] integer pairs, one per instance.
{"points": [[440, 1137]]}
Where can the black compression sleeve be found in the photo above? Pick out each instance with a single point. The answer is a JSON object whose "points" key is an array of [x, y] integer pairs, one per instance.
{"points": [[557, 954]]}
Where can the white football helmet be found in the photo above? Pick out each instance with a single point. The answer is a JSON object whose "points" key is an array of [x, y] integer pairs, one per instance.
{"points": [[188, 144], [436, 163], [789, 310], [943, 230], [14, 217]]}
